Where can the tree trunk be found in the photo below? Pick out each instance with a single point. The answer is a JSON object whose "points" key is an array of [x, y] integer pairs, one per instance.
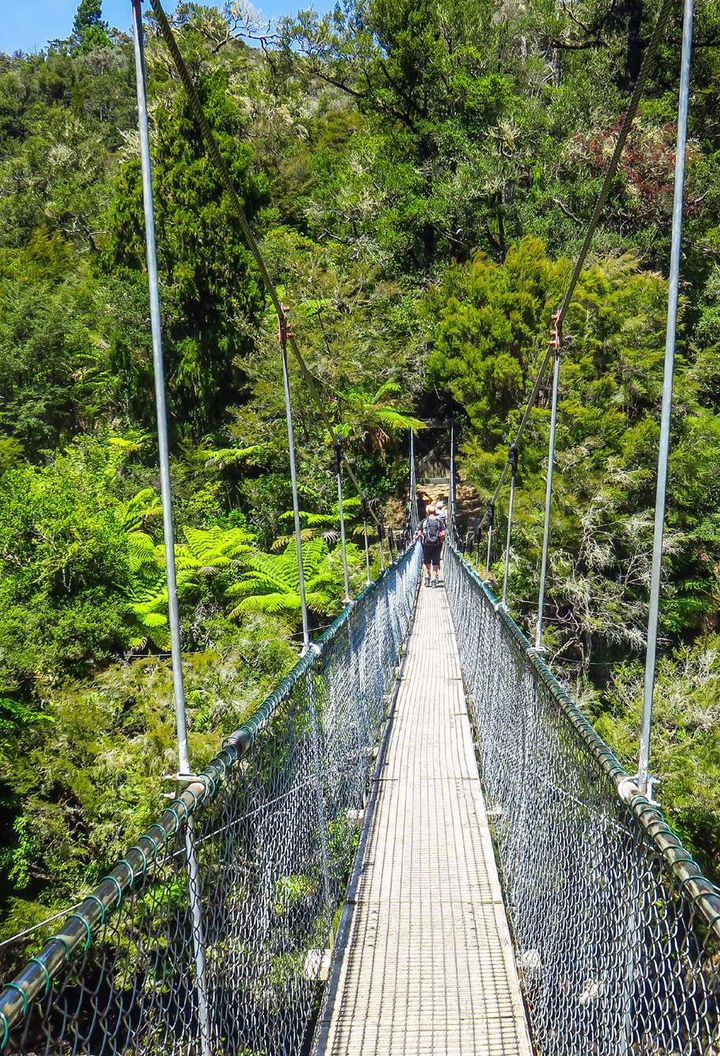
{"points": [[635, 44]]}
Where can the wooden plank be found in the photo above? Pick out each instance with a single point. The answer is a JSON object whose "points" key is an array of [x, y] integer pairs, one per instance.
{"points": [[424, 962]]}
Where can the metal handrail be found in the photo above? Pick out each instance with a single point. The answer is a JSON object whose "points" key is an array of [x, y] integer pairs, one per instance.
{"points": [[76, 934], [704, 894]]}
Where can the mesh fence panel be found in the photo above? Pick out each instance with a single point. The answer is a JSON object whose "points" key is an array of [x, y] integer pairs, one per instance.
{"points": [[615, 929], [267, 836]]}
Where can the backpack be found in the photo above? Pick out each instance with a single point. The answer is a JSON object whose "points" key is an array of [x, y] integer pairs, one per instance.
{"points": [[432, 530]]}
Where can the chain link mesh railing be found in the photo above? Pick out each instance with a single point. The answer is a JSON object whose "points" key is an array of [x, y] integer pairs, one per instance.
{"points": [[617, 933], [229, 962]]}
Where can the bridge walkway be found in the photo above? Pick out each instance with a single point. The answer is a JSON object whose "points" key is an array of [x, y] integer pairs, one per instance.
{"points": [[424, 963]]}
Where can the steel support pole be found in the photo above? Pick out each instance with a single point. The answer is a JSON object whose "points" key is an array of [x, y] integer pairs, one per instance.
{"points": [[548, 496], [489, 521], [513, 462], [283, 334], [451, 497], [338, 472], [168, 531], [367, 541], [380, 533], [508, 539], [413, 485], [664, 447], [160, 402]]}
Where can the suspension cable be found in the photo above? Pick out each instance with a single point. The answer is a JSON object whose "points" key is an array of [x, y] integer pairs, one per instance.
{"points": [[227, 181], [648, 59]]}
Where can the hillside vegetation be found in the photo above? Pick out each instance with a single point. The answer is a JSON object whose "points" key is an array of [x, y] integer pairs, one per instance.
{"points": [[419, 175]]}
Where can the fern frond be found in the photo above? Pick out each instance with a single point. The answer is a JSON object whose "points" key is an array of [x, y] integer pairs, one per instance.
{"points": [[272, 604], [152, 619], [388, 388], [283, 541], [396, 421], [136, 510], [216, 547], [321, 603], [141, 551], [224, 457]]}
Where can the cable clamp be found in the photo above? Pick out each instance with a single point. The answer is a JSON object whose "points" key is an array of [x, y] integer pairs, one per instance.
{"points": [[187, 779], [285, 332], [650, 781], [556, 334]]}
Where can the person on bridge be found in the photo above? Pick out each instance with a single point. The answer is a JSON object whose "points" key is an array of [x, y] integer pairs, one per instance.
{"points": [[431, 534]]}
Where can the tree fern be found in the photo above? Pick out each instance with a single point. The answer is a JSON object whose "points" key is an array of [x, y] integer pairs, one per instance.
{"points": [[326, 525], [135, 512], [271, 584], [205, 551], [217, 547], [226, 457], [377, 414]]}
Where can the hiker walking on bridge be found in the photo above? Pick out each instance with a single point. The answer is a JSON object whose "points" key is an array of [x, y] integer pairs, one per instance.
{"points": [[431, 534]]}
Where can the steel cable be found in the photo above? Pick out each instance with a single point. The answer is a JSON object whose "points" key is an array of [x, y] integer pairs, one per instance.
{"points": [[239, 210], [647, 62]]}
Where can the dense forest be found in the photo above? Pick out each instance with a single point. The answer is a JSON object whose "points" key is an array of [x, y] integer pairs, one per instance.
{"points": [[419, 174]]}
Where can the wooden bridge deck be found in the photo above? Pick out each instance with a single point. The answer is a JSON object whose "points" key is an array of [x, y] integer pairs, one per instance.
{"points": [[424, 963]]}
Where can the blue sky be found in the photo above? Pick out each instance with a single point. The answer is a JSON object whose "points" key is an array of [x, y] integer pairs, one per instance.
{"points": [[27, 25]]}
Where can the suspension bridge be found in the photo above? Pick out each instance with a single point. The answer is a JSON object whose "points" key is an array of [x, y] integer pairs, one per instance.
{"points": [[417, 844], [349, 832]]}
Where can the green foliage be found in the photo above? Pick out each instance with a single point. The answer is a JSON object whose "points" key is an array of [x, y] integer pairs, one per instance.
{"points": [[419, 176], [291, 890], [491, 321], [63, 554], [206, 551], [89, 31], [211, 293], [685, 750], [272, 583], [55, 368]]}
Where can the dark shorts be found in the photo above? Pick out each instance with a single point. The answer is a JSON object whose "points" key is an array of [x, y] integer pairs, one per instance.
{"points": [[431, 554]]}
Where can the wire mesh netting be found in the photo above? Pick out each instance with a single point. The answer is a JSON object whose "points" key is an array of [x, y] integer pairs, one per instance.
{"points": [[209, 936], [615, 929]]}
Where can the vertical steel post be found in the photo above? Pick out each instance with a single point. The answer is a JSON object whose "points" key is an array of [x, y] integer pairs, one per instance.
{"points": [[338, 472], [381, 538], [664, 447], [490, 517], [367, 542], [160, 402], [556, 343], [451, 497], [283, 336], [513, 460], [168, 530]]}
